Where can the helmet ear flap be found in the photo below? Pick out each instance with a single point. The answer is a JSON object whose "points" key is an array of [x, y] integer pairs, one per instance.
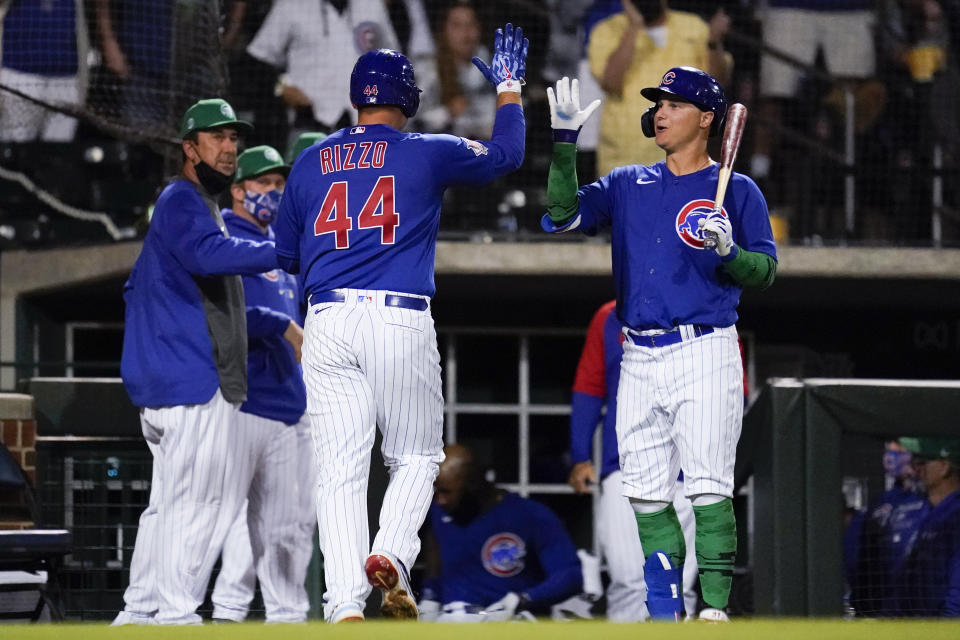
{"points": [[646, 121]]}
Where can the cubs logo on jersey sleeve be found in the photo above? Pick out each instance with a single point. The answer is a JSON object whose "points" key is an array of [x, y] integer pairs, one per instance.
{"points": [[688, 226], [503, 553]]}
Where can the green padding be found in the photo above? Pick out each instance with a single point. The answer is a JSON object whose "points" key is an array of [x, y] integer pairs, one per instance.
{"points": [[716, 551], [562, 183], [660, 531], [752, 269]]}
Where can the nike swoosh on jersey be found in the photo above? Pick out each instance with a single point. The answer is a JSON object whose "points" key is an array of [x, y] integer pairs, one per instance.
{"points": [[642, 181]]}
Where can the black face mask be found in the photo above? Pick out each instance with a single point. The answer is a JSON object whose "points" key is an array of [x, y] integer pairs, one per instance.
{"points": [[211, 179], [651, 10]]}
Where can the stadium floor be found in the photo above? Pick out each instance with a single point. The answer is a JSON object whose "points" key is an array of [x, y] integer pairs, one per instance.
{"points": [[780, 629]]}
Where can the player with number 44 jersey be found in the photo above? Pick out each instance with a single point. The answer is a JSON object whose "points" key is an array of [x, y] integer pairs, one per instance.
{"points": [[359, 219]]}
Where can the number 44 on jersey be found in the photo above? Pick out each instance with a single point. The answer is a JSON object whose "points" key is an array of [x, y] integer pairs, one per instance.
{"points": [[378, 211]]}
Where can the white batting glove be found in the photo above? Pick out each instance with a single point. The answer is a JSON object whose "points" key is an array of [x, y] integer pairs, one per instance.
{"points": [[719, 229], [503, 609], [566, 116]]}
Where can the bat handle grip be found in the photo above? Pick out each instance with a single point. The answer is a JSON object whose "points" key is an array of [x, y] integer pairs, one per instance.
{"points": [[710, 238]]}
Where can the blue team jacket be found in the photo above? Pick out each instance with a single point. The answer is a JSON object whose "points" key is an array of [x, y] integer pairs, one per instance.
{"points": [[275, 387], [167, 351]]}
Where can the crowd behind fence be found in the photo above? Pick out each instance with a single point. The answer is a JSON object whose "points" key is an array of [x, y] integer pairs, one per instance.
{"points": [[852, 136]]}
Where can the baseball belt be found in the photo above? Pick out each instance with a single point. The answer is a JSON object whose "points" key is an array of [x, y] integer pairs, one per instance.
{"points": [[389, 300], [668, 338]]}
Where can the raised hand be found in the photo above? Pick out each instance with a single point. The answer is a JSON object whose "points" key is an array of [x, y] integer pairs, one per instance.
{"points": [[566, 116], [509, 64]]}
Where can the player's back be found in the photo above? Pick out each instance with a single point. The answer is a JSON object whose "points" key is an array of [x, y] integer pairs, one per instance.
{"points": [[373, 196], [361, 209]]}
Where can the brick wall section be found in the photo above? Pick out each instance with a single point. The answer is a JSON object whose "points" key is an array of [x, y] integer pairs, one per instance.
{"points": [[18, 432]]}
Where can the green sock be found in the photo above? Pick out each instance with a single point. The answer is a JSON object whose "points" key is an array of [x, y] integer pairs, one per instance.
{"points": [[716, 551], [660, 531]]}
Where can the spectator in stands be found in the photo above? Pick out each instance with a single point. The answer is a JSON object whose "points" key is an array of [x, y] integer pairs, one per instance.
{"points": [[310, 40], [135, 43], [40, 59], [842, 29], [455, 97], [412, 26], [492, 555], [882, 535], [629, 51], [930, 582]]}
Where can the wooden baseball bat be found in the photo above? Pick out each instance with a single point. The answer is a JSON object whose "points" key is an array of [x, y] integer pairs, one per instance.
{"points": [[732, 135]]}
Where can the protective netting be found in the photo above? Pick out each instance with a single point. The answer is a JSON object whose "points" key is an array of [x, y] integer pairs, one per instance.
{"points": [[852, 134]]}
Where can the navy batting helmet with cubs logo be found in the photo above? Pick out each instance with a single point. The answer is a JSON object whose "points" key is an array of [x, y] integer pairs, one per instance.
{"points": [[384, 76], [696, 86]]}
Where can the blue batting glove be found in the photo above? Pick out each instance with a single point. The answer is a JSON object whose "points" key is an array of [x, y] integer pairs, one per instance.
{"points": [[509, 64]]}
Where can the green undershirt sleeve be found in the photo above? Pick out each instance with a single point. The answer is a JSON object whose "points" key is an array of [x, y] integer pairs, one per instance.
{"points": [[562, 183], [752, 269]]}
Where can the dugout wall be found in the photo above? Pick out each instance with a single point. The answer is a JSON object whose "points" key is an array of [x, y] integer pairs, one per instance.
{"points": [[800, 439]]}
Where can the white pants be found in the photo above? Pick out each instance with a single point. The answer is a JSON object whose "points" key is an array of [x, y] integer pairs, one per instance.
{"points": [[204, 460], [24, 121], [364, 365], [680, 406], [281, 506], [620, 545]]}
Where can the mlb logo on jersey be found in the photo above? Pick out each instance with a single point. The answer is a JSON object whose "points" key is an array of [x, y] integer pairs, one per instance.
{"points": [[688, 227], [502, 554], [356, 130], [364, 298]]}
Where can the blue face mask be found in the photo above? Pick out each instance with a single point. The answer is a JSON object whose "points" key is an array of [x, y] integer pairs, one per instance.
{"points": [[896, 462], [263, 206]]}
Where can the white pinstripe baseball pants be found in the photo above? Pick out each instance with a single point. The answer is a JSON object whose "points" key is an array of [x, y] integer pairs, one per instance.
{"points": [[680, 406], [366, 365], [268, 529], [204, 459]]}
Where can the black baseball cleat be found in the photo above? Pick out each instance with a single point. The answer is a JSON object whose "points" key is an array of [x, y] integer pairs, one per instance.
{"points": [[385, 572]]}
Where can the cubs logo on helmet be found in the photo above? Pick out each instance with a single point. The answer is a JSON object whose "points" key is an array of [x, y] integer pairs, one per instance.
{"points": [[503, 553], [688, 227], [668, 77]]}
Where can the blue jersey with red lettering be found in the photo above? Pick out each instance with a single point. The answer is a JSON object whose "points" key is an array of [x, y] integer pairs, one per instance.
{"points": [[598, 374], [930, 580], [275, 388], [519, 545], [361, 209], [664, 277]]}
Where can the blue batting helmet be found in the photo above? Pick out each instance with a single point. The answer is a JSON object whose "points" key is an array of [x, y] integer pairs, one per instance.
{"points": [[384, 76], [693, 85]]}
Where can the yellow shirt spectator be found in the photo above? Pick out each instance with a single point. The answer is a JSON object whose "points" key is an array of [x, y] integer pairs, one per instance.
{"points": [[621, 141]]}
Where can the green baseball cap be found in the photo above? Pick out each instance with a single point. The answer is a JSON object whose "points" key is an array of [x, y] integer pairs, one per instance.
{"points": [[948, 448], [304, 141], [257, 160], [209, 114]]}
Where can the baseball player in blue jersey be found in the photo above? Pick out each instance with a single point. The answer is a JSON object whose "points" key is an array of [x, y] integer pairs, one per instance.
{"points": [[878, 538], [597, 379], [184, 364], [493, 555], [930, 580], [359, 221], [277, 545], [680, 395]]}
